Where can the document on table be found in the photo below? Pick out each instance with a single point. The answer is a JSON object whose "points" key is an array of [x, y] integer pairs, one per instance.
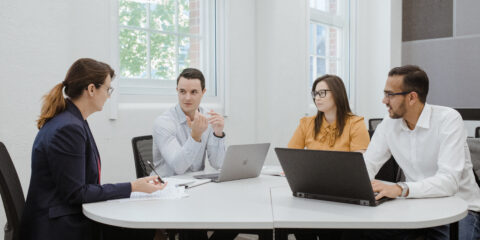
{"points": [[175, 189], [169, 192]]}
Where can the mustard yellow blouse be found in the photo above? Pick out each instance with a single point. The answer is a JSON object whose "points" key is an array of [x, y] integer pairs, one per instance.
{"points": [[354, 137]]}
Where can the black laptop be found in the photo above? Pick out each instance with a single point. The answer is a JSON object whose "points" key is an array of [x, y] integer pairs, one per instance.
{"points": [[328, 175]]}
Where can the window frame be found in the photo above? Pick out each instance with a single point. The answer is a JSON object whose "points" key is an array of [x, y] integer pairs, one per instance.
{"points": [[218, 70], [343, 21]]}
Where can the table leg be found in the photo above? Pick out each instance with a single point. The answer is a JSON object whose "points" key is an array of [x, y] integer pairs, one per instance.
{"points": [[265, 235], [281, 234], [454, 231]]}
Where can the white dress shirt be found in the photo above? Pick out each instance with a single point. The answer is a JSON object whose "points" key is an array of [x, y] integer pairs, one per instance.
{"points": [[434, 156], [174, 149]]}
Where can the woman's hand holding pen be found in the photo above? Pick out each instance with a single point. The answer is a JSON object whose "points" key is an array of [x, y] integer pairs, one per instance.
{"points": [[147, 184]]}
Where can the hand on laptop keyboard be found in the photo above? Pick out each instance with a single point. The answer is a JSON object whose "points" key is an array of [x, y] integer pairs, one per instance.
{"points": [[385, 190]]}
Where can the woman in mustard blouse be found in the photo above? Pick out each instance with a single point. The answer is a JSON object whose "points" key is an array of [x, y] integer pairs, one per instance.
{"points": [[335, 127]]}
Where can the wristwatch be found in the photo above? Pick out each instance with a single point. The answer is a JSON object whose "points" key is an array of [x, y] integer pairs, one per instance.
{"points": [[223, 135], [404, 188]]}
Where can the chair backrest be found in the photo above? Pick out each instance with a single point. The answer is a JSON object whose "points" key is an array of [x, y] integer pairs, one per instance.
{"points": [[142, 152], [12, 195], [373, 123], [474, 146], [477, 132]]}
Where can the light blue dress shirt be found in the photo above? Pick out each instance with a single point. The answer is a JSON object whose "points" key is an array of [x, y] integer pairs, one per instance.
{"points": [[176, 152]]}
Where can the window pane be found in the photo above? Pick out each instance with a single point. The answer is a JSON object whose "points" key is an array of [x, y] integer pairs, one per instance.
{"points": [[321, 37], [319, 4], [311, 72], [163, 56], [330, 6], [133, 53], [333, 66], [189, 16], [188, 53], [132, 14], [162, 16], [333, 42], [321, 67]]}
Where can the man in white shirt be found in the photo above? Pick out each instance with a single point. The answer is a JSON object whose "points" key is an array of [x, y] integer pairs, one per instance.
{"points": [[429, 144], [185, 134]]}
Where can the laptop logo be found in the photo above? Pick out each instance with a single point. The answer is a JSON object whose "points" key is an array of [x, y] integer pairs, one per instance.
{"points": [[245, 162]]}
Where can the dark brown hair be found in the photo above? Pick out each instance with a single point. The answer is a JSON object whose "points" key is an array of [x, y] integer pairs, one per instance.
{"points": [[82, 73], [414, 80], [340, 98], [192, 73]]}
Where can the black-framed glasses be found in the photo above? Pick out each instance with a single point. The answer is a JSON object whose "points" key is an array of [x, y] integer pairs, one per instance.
{"points": [[390, 94], [321, 93]]}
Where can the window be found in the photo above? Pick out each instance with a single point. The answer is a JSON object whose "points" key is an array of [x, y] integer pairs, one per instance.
{"points": [[328, 39], [159, 38]]}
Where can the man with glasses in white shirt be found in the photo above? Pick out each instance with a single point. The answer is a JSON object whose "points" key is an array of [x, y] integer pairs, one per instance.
{"points": [[429, 144]]}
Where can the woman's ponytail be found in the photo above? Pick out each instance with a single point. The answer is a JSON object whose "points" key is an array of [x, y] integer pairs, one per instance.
{"points": [[53, 104]]}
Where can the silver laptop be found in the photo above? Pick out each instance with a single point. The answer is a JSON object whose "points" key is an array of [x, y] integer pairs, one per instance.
{"points": [[241, 161]]}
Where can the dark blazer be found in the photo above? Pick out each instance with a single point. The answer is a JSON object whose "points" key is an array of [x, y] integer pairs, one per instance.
{"points": [[64, 176]]}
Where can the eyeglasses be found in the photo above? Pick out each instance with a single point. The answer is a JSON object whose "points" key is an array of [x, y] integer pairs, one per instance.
{"points": [[389, 95], [322, 93], [110, 90]]}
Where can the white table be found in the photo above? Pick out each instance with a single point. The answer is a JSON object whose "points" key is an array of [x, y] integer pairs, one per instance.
{"points": [[290, 212], [267, 203], [241, 204]]}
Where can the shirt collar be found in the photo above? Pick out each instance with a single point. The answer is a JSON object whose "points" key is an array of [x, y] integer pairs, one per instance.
{"points": [[424, 119]]}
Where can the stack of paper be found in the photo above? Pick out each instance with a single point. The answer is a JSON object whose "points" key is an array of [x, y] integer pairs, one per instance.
{"points": [[169, 192]]}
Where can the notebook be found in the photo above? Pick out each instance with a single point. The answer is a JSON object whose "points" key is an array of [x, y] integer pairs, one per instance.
{"points": [[328, 175], [241, 161]]}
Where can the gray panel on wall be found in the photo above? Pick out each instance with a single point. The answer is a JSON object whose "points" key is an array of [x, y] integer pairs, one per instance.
{"points": [[427, 19], [452, 67], [468, 17]]}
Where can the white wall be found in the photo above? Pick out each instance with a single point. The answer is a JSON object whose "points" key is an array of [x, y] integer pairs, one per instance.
{"points": [[266, 72], [378, 49]]}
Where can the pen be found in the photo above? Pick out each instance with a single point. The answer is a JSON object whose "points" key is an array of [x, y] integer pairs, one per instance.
{"points": [[153, 169]]}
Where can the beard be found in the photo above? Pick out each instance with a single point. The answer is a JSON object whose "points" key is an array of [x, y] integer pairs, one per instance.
{"points": [[397, 113]]}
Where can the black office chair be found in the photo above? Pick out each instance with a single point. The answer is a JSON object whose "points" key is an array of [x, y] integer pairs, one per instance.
{"points": [[390, 171], [12, 195], [474, 147], [373, 123], [142, 152]]}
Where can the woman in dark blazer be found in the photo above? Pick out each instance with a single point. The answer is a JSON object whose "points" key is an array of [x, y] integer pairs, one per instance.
{"points": [[66, 163]]}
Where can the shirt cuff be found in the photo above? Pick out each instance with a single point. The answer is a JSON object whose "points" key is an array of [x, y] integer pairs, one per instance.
{"points": [[414, 189], [216, 140]]}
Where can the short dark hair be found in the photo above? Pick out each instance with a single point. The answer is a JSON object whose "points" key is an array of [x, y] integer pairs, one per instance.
{"points": [[192, 73], [414, 80]]}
